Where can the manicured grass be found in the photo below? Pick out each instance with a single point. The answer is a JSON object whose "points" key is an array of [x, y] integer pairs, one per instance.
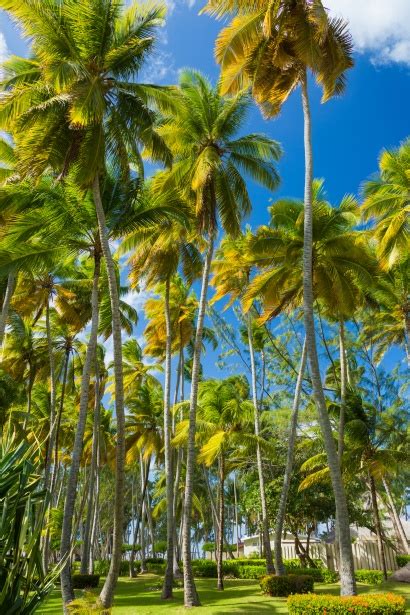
{"points": [[141, 597]]}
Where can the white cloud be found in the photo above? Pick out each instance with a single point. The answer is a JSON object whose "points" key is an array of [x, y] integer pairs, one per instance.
{"points": [[379, 28], [159, 67], [4, 50]]}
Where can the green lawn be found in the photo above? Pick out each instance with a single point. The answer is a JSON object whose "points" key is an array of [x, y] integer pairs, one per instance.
{"points": [[141, 597]]}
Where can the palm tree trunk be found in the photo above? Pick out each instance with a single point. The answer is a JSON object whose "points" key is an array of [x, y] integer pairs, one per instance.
{"points": [[265, 521], [142, 520], [52, 430], [400, 529], [140, 513], [407, 335], [71, 492], [169, 570], [107, 592], [11, 283], [236, 515], [378, 525], [59, 416], [191, 597], [280, 518], [85, 559], [221, 523], [343, 389], [347, 578]]}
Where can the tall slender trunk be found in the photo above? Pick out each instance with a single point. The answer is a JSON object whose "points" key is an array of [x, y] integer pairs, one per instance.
{"points": [[93, 539], [142, 520], [59, 417], [347, 578], [140, 513], [378, 525], [400, 529], [52, 430], [85, 558], [191, 597], [407, 335], [221, 523], [71, 492], [107, 592], [179, 387], [280, 518], [236, 515], [169, 476], [343, 389], [265, 521], [11, 283]]}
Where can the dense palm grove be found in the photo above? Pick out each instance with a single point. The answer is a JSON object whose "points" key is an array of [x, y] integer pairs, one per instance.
{"points": [[115, 458]]}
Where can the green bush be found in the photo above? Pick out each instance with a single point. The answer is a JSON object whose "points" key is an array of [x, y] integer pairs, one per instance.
{"points": [[156, 568], [369, 604], [89, 604], [251, 572], [204, 569], [329, 576], [244, 561], [369, 576], [286, 584], [296, 563], [154, 560], [402, 560], [85, 581]]}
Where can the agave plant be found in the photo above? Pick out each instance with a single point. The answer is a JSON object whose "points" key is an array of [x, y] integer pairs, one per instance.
{"points": [[23, 583]]}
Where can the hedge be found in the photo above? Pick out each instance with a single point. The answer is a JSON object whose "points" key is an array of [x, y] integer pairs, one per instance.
{"points": [[84, 581], [374, 577], [371, 604], [286, 584], [402, 560], [204, 568]]}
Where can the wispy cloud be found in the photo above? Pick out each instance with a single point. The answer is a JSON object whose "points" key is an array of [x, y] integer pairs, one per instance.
{"points": [[4, 50], [379, 28]]}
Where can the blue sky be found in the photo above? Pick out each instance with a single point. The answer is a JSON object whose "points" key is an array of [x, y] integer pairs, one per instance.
{"points": [[348, 132]]}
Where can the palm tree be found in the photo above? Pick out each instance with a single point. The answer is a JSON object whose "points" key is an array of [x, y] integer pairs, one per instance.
{"points": [[209, 163], [225, 429], [80, 105], [343, 268], [387, 205], [156, 257], [271, 47], [232, 270]]}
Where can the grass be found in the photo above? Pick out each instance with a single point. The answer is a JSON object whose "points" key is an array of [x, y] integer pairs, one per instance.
{"points": [[141, 596]]}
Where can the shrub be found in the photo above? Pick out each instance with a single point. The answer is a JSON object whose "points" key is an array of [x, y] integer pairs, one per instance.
{"points": [[286, 584], [402, 560], [87, 605], [369, 576], [243, 561], [370, 604], [84, 581], [204, 568], [156, 568], [329, 576], [251, 572], [296, 563], [154, 560]]}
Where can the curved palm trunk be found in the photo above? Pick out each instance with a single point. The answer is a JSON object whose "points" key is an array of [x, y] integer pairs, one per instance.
{"points": [[343, 389], [280, 518], [107, 592], [400, 530], [66, 584], [221, 523], [378, 525], [407, 335], [85, 559], [11, 283], [191, 597], [347, 578], [265, 521], [169, 570]]}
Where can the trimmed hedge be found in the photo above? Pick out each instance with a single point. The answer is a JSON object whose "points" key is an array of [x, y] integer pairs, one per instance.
{"points": [[85, 581], [204, 568], [370, 604], [402, 560], [286, 584], [373, 577]]}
